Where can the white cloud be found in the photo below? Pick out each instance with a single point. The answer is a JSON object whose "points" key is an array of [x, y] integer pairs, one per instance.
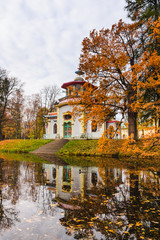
{"points": [[40, 41]]}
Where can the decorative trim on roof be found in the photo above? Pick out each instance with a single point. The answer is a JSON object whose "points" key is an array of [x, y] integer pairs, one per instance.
{"points": [[53, 113], [114, 121], [65, 85]]}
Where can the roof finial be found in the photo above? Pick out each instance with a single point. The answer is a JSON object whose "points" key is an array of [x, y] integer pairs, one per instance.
{"points": [[79, 72]]}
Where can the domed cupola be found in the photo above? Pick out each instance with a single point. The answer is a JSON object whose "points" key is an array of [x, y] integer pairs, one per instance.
{"points": [[75, 85], [78, 79]]}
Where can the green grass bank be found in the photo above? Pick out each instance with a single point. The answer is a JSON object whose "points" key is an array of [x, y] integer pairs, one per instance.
{"points": [[86, 148], [21, 146], [113, 148]]}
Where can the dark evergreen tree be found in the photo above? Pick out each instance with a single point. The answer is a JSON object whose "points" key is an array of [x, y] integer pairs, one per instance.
{"points": [[143, 9]]}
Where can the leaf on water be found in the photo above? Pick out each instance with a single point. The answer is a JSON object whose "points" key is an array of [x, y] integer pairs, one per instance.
{"points": [[52, 205], [112, 231], [94, 218], [19, 229], [120, 223], [36, 219], [40, 212], [29, 220], [130, 225], [155, 222], [91, 224], [138, 224]]}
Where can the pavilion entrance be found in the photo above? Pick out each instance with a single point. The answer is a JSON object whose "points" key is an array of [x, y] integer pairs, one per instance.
{"points": [[67, 130]]}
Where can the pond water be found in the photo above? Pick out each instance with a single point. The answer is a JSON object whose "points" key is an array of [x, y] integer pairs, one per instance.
{"points": [[49, 201]]}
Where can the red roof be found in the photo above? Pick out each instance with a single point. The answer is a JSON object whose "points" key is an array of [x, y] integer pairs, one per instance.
{"points": [[65, 85], [52, 114], [112, 121]]}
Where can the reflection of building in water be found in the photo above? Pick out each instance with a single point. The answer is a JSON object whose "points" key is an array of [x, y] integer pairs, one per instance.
{"points": [[50, 174], [69, 181]]}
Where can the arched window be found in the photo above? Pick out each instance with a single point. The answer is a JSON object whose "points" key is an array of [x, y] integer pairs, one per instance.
{"points": [[94, 126], [54, 173], [67, 117], [94, 178], [55, 128]]}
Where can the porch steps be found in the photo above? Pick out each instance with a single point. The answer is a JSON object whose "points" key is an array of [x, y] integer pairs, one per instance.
{"points": [[51, 148]]}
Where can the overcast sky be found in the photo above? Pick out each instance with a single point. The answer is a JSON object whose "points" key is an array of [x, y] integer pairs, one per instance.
{"points": [[40, 40]]}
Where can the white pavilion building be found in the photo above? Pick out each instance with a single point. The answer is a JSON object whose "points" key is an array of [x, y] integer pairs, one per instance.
{"points": [[60, 124]]}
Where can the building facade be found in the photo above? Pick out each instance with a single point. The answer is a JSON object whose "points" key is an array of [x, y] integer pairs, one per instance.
{"points": [[61, 124]]}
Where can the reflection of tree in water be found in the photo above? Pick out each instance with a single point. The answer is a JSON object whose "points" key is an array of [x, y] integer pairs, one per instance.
{"points": [[12, 180], [8, 215], [135, 215], [25, 180], [36, 189], [33, 178]]}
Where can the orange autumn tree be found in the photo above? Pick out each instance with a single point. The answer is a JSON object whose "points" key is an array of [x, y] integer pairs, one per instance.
{"points": [[147, 75], [148, 97], [89, 103], [108, 58]]}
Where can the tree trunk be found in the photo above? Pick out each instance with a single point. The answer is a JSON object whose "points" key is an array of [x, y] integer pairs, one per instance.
{"points": [[158, 125], [1, 134], [132, 124], [132, 114]]}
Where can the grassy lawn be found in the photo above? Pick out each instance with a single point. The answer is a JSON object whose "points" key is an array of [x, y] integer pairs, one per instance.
{"points": [[21, 146], [87, 148], [79, 147], [111, 149]]}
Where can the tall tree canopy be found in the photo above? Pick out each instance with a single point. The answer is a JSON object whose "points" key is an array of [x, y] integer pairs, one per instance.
{"points": [[14, 115], [49, 96], [108, 58], [8, 85], [147, 73], [141, 11]]}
